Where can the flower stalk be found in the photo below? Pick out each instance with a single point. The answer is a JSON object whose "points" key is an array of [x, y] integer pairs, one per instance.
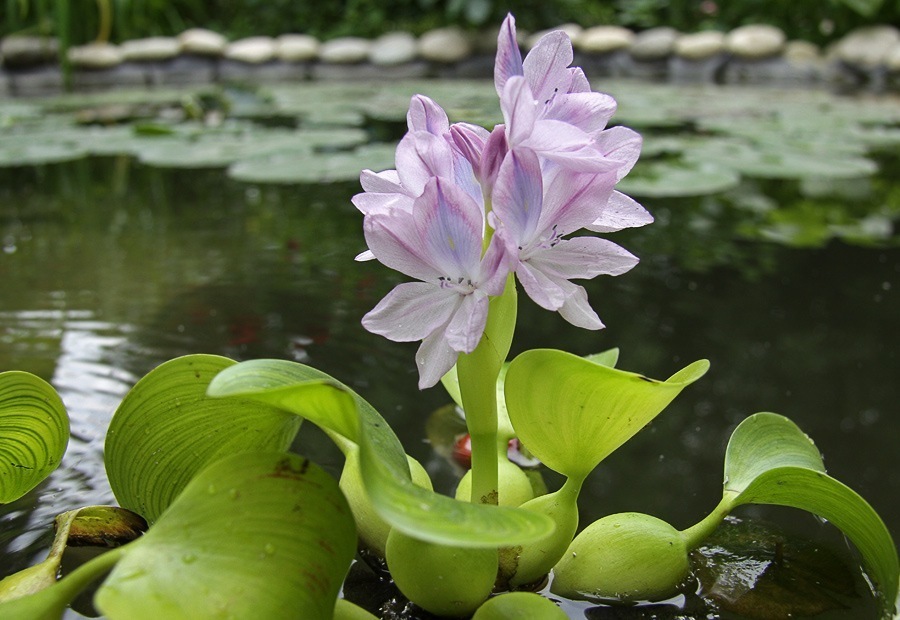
{"points": [[478, 372]]}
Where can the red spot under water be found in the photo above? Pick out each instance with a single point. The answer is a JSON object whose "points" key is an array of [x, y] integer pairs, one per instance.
{"points": [[462, 450], [244, 329]]}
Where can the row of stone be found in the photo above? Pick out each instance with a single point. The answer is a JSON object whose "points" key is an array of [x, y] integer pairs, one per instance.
{"points": [[869, 50]]}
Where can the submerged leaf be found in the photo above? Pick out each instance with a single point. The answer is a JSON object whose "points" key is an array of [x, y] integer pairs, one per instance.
{"points": [[34, 433], [770, 461], [255, 535], [752, 569]]}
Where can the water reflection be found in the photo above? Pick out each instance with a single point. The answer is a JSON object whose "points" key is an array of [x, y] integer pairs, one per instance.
{"points": [[102, 282]]}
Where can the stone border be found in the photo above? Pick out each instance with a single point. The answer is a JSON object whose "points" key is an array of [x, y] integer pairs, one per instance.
{"points": [[867, 58]]}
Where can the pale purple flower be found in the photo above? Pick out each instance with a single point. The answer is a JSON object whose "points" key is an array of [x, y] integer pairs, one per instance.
{"points": [[547, 172], [534, 209], [562, 92], [549, 107], [438, 242]]}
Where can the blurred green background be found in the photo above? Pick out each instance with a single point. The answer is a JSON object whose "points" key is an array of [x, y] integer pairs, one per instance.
{"points": [[80, 21]]}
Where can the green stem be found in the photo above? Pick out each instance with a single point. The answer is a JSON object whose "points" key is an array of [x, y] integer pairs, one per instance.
{"points": [[80, 578], [696, 534], [477, 373]]}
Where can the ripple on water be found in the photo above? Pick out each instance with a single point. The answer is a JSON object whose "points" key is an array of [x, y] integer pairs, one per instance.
{"points": [[82, 357]]}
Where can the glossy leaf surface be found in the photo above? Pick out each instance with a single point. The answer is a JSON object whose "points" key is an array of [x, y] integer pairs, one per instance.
{"points": [[34, 433], [571, 412], [769, 460], [167, 430], [416, 511], [255, 535]]}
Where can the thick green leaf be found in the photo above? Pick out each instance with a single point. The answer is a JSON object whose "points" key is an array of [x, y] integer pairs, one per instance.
{"points": [[766, 441], [505, 431], [770, 461], [166, 430], [416, 511], [34, 432], [255, 535], [571, 412]]}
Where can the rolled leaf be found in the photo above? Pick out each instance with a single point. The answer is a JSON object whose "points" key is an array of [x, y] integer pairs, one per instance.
{"points": [[417, 512], [167, 430], [34, 433], [769, 460]]}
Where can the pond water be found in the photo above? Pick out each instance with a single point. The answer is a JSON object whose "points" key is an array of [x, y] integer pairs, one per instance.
{"points": [[111, 266]]}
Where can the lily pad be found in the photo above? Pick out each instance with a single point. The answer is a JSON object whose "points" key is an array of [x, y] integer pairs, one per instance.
{"points": [[670, 180], [37, 153], [783, 162], [301, 166]]}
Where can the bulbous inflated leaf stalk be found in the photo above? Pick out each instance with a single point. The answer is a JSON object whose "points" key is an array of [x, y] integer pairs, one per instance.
{"points": [[769, 460], [416, 511], [571, 413], [166, 430], [34, 433], [255, 535]]}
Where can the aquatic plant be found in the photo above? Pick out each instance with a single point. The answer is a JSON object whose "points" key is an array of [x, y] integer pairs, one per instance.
{"points": [[218, 518]]}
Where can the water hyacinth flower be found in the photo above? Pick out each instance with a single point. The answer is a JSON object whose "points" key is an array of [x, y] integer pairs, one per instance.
{"points": [[536, 209], [438, 242], [465, 206]]}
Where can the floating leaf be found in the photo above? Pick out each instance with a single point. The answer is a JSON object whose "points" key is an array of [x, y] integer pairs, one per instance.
{"points": [[769, 460], [571, 412], [166, 431], [302, 166], [416, 511], [668, 180], [43, 574], [255, 535], [782, 161], [34, 432], [36, 153], [33, 592]]}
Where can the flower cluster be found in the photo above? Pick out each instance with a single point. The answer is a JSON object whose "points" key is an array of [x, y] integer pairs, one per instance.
{"points": [[465, 206]]}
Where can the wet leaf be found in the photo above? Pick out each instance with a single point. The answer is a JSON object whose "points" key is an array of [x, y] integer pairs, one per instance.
{"points": [[166, 430], [34, 433], [262, 535], [416, 511], [571, 413], [104, 526], [769, 460]]}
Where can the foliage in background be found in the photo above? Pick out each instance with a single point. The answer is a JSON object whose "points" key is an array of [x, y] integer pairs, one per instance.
{"points": [[81, 21]]}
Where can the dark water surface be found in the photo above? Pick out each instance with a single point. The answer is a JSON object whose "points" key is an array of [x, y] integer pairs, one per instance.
{"points": [[109, 268]]}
